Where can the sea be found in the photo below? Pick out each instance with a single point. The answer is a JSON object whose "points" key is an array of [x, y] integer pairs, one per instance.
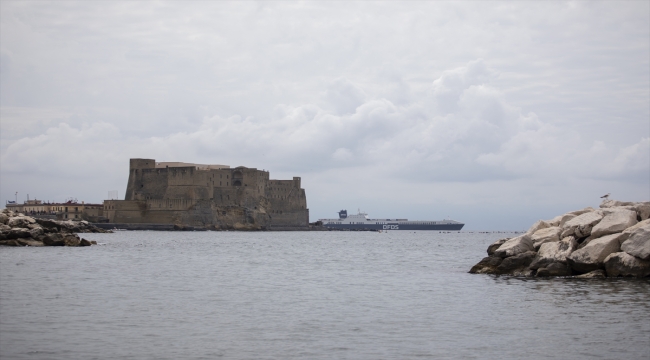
{"points": [[305, 295]]}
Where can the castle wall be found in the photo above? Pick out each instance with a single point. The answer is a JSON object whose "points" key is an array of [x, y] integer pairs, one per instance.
{"points": [[207, 195], [288, 203], [135, 173]]}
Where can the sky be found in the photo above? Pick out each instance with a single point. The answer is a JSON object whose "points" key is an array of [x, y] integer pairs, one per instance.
{"points": [[495, 114]]}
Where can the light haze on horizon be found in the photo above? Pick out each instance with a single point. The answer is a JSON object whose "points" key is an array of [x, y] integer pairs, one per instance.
{"points": [[495, 114]]}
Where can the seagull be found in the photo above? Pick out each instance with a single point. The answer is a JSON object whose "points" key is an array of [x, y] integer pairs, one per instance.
{"points": [[606, 196]]}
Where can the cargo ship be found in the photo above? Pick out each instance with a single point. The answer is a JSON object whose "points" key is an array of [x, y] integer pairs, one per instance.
{"points": [[361, 221]]}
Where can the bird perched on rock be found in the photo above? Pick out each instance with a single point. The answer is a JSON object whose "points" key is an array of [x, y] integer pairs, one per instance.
{"points": [[606, 196]]}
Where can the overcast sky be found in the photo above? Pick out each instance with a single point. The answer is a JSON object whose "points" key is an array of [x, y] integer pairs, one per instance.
{"points": [[496, 114]]}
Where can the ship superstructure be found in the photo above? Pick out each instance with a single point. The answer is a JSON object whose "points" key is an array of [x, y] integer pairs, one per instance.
{"points": [[360, 221]]}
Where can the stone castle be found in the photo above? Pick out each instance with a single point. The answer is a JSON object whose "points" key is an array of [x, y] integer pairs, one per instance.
{"points": [[208, 196]]}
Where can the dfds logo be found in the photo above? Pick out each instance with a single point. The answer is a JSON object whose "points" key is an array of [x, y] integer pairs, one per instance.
{"points": [[391, 227]]}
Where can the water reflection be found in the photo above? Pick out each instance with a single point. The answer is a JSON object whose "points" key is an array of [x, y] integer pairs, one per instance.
{"points": [[565, 292]]}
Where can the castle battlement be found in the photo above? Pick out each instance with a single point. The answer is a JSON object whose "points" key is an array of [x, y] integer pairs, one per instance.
{"points": [[209, 196]]}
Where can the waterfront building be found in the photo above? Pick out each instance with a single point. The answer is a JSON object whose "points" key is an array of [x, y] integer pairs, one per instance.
{"points": [[70, 210]]}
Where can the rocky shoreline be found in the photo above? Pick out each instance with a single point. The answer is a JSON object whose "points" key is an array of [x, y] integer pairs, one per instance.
{"points": [[16, 229], [612, 241]]}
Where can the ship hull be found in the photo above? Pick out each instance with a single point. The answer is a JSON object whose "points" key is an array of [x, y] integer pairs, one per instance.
{"points": [[439, 227]]}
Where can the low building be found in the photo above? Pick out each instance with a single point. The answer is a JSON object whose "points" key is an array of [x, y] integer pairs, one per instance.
{"points": [[70, 210]]}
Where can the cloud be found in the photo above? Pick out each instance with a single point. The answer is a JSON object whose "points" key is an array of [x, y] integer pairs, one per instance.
{"points": [[465, 97], [484, 138], [344, 96]]}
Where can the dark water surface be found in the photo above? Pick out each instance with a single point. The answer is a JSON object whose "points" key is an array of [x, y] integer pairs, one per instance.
{"points": [[288, 295]]}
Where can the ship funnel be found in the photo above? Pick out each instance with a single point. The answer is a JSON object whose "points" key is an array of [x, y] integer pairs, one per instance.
{"points": [[343, 214]]}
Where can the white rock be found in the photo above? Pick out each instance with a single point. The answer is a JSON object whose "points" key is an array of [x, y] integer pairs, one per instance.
{"points": [[591, 257], [624, 264], [3, 218], [515, 246], [615, 221], [20, 221], [550, 234], [643, 210], [627, 232], [552, 252], [596, 274], [555, 221], [636, 226], [540, 224], [583, 211], [581, 225], [565, 218], [614, 203], [495, 245], [638, 243]]}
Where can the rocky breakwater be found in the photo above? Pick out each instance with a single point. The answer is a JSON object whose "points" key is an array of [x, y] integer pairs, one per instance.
{"points": [[612, 241], [17, 229]]}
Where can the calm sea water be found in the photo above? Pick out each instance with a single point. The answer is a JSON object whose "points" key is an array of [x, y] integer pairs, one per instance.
{"points": [[290, 295]]}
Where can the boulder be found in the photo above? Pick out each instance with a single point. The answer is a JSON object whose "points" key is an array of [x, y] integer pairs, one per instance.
{"points": [[580, 212], [29, 242], [631, 229], [93, 242], [20, 221], [71, 240], [581, 225], [9, 243], [554, 252], [550, 234], [642, 211], [515, 246], [560, 219], [591, 257], [488, 265], [615, 203], [584, 242], [15, 233], [69, 226], [638, 243], [555, 221], [517, 265], [48, 224], [495, 245], [565, 218], [3, 218], [596, 274], [36, 232], [615, 221], [4, 227], [624, 264], [554, 269], [540, 224], [52, 239], [84, 242]]}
